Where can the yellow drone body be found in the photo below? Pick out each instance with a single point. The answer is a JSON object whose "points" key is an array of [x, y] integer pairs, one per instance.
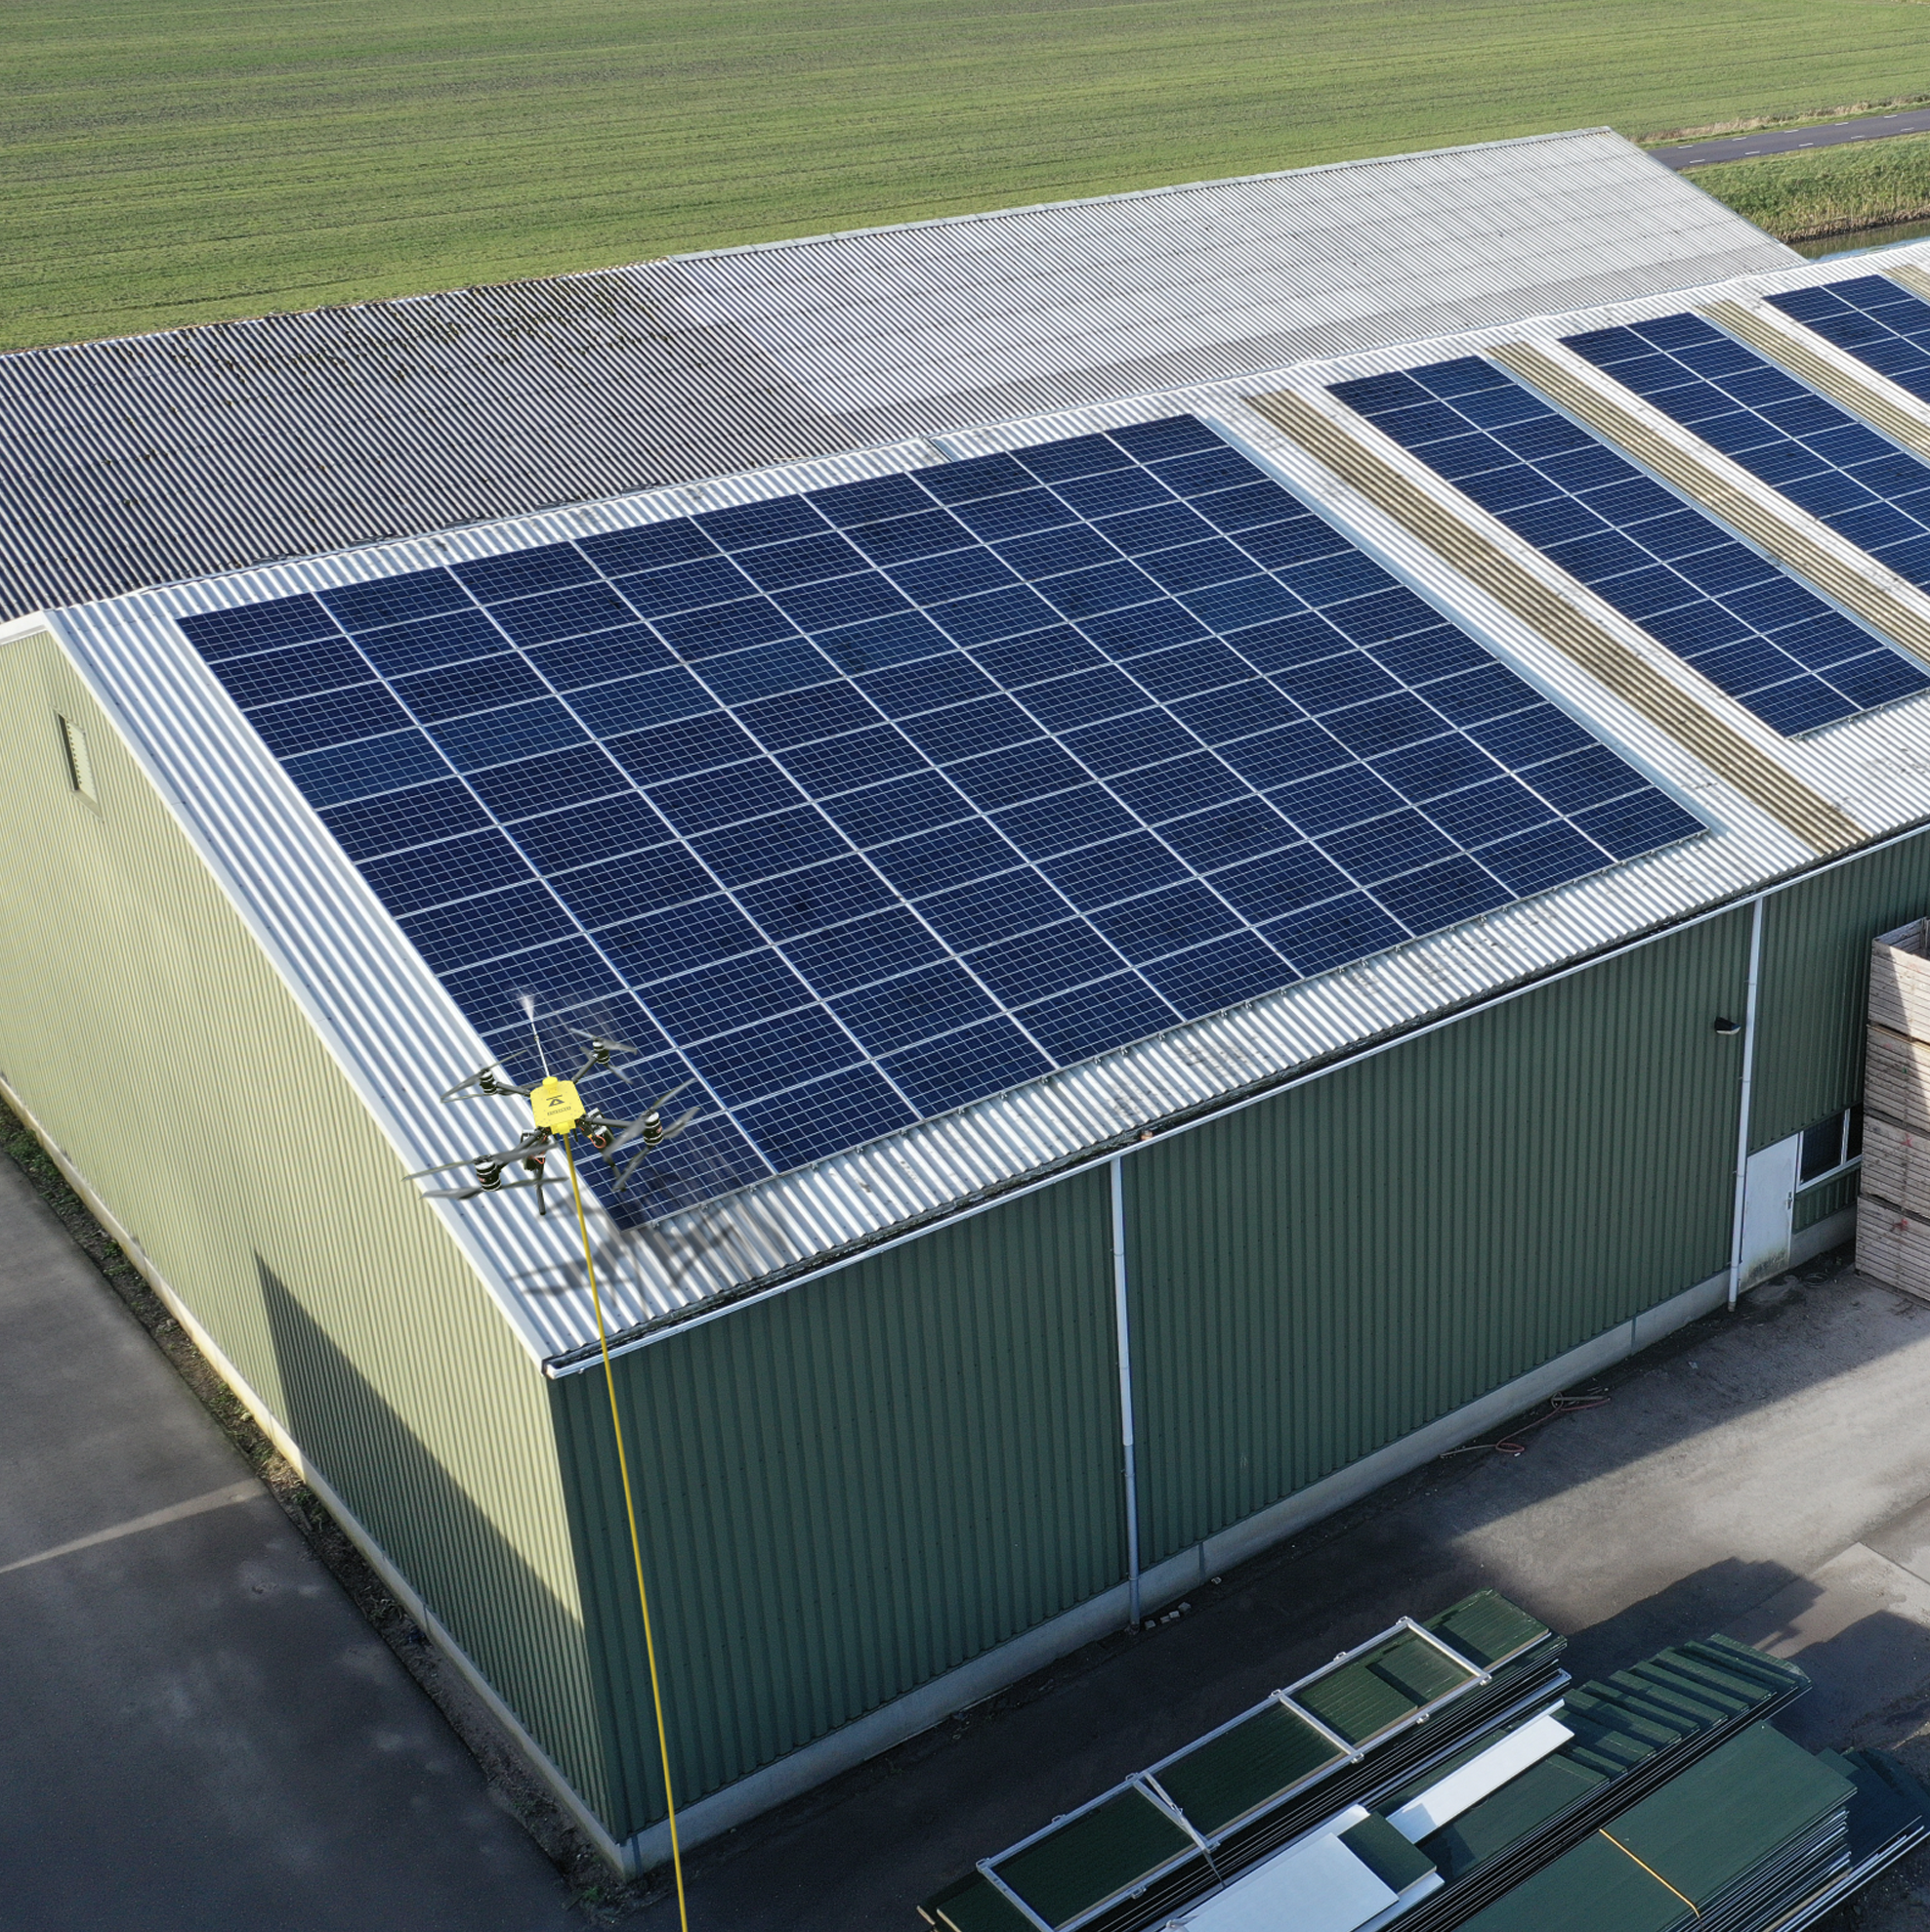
{"points": [[556, 1106]]}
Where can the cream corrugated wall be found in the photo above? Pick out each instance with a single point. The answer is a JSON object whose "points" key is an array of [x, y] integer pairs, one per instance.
{"points": [[154, 1042]]}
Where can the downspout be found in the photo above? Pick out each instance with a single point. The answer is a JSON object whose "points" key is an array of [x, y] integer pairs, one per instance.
{"points": [[1122, 1327], [1749, 1092]]}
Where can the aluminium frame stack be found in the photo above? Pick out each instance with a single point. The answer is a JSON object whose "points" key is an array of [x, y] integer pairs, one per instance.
{"points": [[1345, 1734]]}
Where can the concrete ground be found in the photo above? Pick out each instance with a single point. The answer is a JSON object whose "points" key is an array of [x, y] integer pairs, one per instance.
{"points": [[200, 1727], [1788, 139], [1765, 1474]]}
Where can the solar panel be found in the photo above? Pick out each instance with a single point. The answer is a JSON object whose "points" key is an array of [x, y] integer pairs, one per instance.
{"points": [[859, 806], [1875, 320], [1744, 623], [1843, 473]]}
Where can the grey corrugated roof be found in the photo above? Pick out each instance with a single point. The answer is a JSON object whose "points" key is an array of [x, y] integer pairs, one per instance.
{"points": [[401, 1038], [158, 458]]}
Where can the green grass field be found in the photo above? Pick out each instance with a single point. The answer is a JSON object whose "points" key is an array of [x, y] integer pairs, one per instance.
{"points": [[1832, 190], [174, 161]]}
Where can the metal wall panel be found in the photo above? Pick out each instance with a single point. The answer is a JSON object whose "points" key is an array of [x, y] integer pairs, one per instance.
{"points": [[1820, 1204], [849, 1489], [1318, 1276], [1815, 979], [157, 1044]]}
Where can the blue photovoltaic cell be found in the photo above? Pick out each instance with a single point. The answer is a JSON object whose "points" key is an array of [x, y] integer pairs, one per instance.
{"points": [[860, 806], [1752, 630], [1874, 495], [1874, 320]]}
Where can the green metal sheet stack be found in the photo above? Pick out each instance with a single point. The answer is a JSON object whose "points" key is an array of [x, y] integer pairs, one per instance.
{"points": [[1445, 1792], [1755, 1836], [1361, 1725], [1632, 1731]]}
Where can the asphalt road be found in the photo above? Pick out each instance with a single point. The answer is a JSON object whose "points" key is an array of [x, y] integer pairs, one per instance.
{"points": [[200, 1729], [1788, 141]]}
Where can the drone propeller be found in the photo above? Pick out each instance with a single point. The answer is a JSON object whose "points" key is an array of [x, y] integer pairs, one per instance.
{"points": [[646, 1119], [643, 1152], [528, 1145], [604, 1047], [482, 1083], [599, 1055]]}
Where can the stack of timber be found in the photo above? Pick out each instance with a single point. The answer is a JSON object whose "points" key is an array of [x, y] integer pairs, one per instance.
{"points": [[1653, 1799], [1893, 1208]]}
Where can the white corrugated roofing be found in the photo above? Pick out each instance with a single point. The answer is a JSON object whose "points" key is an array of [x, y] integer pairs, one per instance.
{"points": [[156, 458], [401, 1039]]}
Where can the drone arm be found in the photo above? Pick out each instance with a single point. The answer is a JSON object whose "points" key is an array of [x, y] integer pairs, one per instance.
{"points": [[470, 1193]]}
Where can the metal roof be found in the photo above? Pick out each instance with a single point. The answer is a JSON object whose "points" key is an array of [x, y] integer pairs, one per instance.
{"points": [[151, 459], [400, 1038]]}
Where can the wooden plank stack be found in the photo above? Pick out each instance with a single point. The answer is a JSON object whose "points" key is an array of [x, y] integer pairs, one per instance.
{"points": [[1893, 1207]]}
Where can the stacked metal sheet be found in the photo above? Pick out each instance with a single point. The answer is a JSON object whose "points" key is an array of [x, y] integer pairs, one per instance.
{"points": [[1758, 1838], [1656, 1798], [1625, 1736], [1347, 1735]]}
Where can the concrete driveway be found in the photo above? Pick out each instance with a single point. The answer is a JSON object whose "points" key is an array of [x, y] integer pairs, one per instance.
{"points": [[1762, 1474], [197, 1729]]}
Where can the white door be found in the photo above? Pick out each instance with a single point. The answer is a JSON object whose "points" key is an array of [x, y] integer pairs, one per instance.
{"points": [[1769, 1202]]}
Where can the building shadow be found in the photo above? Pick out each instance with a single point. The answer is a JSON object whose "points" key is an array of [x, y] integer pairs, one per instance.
{"points": [[526, 1642], [1709, 1599]]}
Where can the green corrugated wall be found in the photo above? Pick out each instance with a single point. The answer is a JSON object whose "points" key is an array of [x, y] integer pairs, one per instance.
{"points": [[854, 1487], [1318, 1276], [1820, 1202], [1815, 982], [157, 1044]]}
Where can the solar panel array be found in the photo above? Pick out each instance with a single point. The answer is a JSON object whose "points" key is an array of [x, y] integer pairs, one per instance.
{"points": [[1875, 320], [860, 806], [1843, 473], [1754, 632]]}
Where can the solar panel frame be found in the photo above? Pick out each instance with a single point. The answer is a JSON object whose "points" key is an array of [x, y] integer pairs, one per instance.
{"points": [[851, 876]]}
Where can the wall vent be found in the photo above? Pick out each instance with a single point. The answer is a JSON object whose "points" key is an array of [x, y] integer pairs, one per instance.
{"points": [[80, 768]]}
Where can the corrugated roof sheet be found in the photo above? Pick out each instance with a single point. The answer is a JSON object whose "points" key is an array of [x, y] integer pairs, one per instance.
{"points": [[399, 1036], [156, 458]]}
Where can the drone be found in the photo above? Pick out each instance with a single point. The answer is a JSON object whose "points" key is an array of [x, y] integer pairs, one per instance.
{"points": [[556, 1111]]}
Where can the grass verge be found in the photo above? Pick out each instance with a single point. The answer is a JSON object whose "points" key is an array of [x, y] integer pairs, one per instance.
{"points": [[1826, 190]]}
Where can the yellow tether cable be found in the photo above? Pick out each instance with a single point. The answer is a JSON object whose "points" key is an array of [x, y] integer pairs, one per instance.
{"points": [[1653, 1873], [636, 1542]]}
